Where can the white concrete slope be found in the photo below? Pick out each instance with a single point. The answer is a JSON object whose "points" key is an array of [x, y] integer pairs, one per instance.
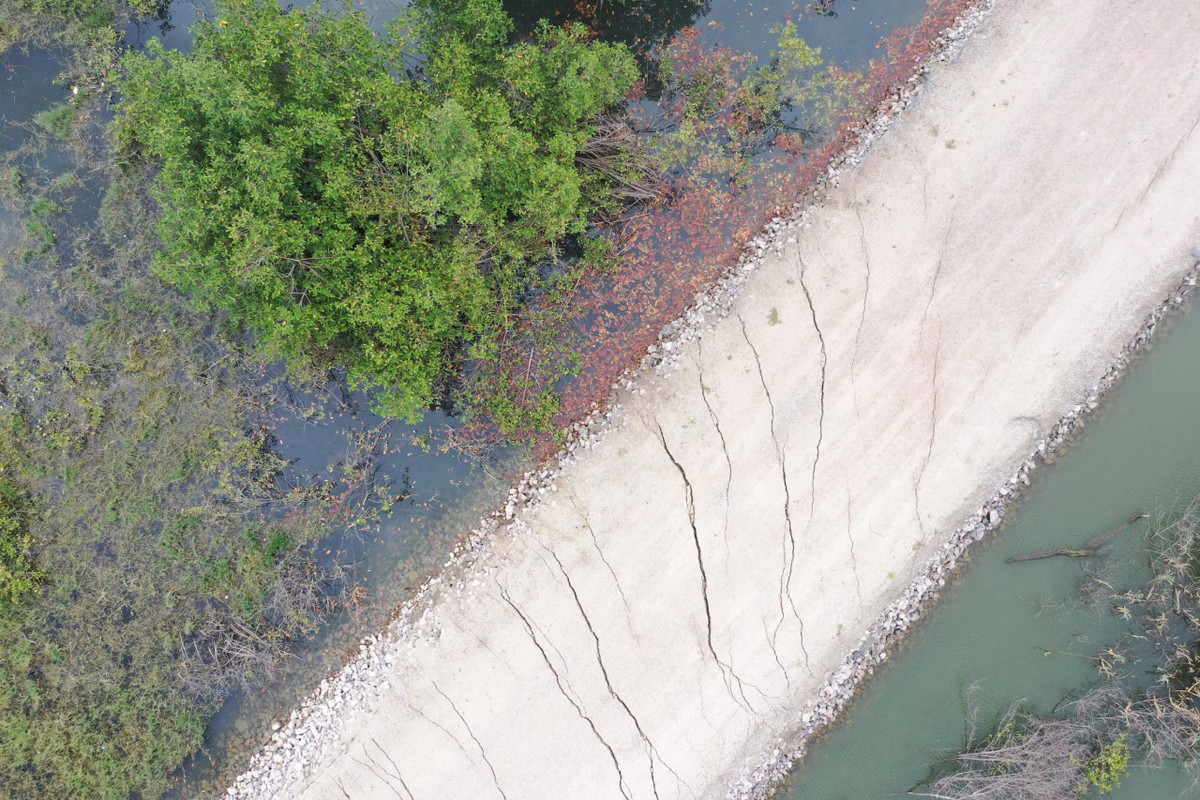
{"points": [[651, 626]]}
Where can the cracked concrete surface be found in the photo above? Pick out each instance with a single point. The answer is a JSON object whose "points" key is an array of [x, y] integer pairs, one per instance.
{"points": [[653, 625]]}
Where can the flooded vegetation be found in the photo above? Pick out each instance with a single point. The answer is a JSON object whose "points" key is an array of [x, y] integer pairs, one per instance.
{"points": [[158, 551]]}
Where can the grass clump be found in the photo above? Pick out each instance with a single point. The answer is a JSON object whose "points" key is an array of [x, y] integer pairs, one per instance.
{"points": [[17, 572]]}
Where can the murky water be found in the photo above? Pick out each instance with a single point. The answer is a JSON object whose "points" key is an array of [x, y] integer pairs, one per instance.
{"points": [[27, 88], [1005, 633]]}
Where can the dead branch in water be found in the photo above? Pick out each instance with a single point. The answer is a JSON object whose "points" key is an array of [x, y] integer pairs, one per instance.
{"points": [[616, 151], [1090, 549], [1027, 757]]}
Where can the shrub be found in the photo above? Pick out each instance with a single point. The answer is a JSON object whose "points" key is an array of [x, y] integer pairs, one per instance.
{"points": [[354, 204]]}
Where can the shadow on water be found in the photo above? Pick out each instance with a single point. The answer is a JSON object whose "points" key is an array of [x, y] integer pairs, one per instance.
{"points": [[1005, 633], [437, 495]]}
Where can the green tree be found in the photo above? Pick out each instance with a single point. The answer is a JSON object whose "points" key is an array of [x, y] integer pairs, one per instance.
{"points": [[375, 203]]}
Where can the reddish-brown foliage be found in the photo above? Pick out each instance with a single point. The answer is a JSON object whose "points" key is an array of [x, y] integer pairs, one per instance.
{"points": [[677, 247]]}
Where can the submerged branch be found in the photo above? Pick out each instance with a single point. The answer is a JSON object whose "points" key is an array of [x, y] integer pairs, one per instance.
{"points": [[1092, 548]]}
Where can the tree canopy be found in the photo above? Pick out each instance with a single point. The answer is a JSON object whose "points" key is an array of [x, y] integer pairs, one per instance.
{"points": [[378, 203]]}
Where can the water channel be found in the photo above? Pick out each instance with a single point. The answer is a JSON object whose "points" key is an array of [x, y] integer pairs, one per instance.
{"points": [[996, 623], [1005, 633]]}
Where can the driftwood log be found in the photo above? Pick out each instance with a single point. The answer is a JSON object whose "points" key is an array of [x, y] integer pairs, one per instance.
{"points": [[1090, 549]]}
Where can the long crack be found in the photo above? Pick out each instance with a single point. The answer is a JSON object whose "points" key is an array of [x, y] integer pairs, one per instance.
{"points": [[474, 738], [775, 653], [721, 434], [380, 772], [853, 556], [651, 750], [812, 311], [727, 672], [785, 576], [1166, 162], [1158, 173], [924, 176], [441, 728], [862, 317], [824, 363], [381, 777], [937, 272], [937, 357], [621, 784]]}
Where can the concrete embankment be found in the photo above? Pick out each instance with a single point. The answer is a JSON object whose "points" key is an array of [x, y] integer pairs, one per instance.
{"points": [[666, 612]]}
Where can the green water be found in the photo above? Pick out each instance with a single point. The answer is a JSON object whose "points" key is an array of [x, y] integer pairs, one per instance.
{"points": [[986, 644]]}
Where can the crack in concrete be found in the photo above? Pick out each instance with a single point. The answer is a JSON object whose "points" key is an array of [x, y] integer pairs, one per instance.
{"points": [[621, 784], [775, 653], [824, 363], [441, 728], [651, 750], [724, 446], [391, 761], [382, 778], [474, 738], [862, 317], [937, 357], [924, 176], [727, 672], [785, 576], [480, 641], [853, 556], [379, 771], [587, 526], [937, 272], [1162, 167]]}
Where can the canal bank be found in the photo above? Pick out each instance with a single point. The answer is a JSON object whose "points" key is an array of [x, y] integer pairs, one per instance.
{"points": [[657, 623]]}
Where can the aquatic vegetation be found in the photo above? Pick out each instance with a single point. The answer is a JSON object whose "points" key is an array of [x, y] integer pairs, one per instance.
{"points": [[158, 552], [327, 195], [89, 31], [714, 121], [720, 121]]}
